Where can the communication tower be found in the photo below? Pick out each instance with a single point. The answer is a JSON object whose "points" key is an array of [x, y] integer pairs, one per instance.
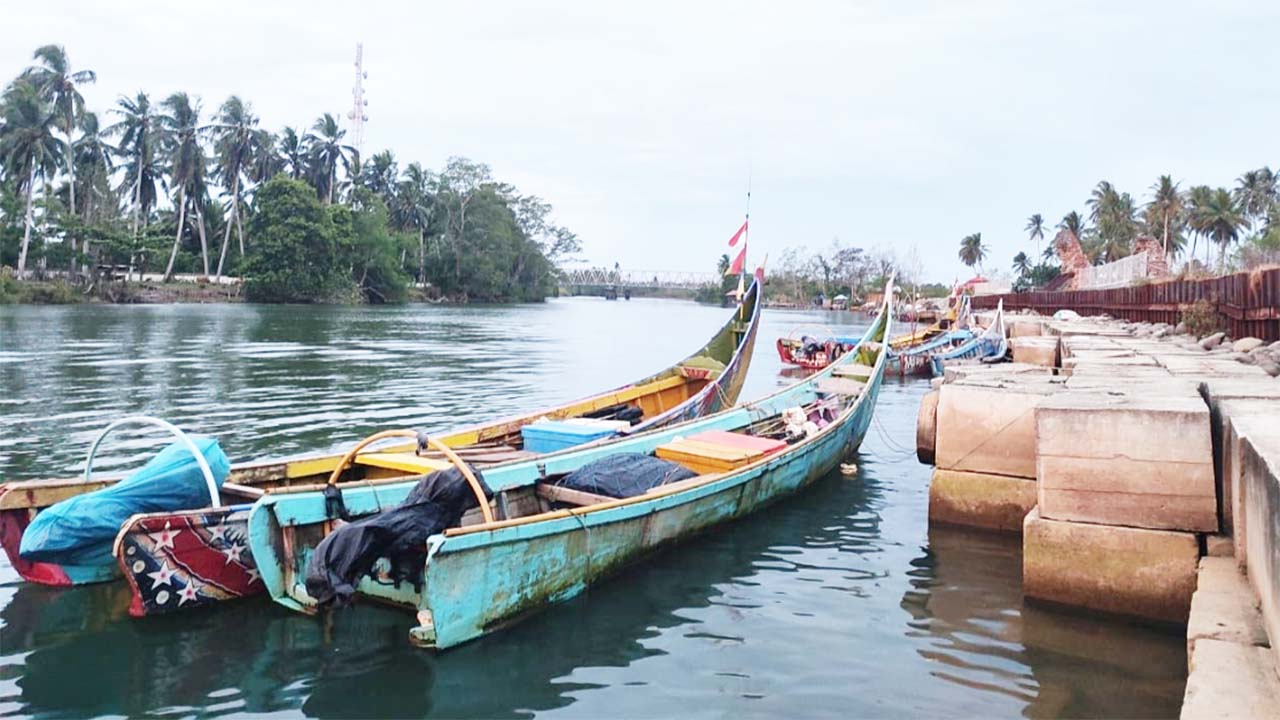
{"points": [[357, 116]]}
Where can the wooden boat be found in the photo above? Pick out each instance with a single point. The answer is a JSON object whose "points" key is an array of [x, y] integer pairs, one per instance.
{"points": [[185, 559], [990, 346], [550, 543], [813, 351], [909, 354]]}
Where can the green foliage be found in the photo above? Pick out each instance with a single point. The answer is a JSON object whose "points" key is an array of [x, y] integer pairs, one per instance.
{"points": [[1036, 276], [1202, 318], [296, 254]]}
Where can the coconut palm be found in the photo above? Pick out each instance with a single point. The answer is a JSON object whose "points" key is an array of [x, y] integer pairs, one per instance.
{"points": [[379, 174], [56, 82], [1021, 264], [1221, 219], [235, 142], [1115, 223], [1257, 192], [141, 137], [293, 153], [187, 163], [327, 152], [94, 161], [972, 251], [28, 149], [1073, 222], [1164, 212], [1196, 201], [411, 209], [1035, 229]]}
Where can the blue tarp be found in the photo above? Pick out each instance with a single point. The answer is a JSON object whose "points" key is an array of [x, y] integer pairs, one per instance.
{"points": [[80, 530]]}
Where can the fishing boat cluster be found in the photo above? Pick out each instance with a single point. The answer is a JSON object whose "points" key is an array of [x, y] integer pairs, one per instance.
{"points": [[475, 528]]}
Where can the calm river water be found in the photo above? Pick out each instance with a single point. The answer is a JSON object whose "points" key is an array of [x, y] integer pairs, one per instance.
{"points": [[838, 602]]}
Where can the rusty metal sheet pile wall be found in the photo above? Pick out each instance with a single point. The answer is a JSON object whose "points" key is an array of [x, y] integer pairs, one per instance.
{"points": [[1249, 302]]}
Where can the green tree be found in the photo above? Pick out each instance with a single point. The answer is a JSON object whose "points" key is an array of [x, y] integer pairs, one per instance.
{"points": [[1164, 213], [1221, 219], [235, 133], [187, 165], [327, 152], [1035, 230], [293, 153], [1257, 192], [1115, 223], [28, 149], [57, 83], [1021, 264], [296, 256], [972, 251], [140, 142], [94, 165], [722, 265]]}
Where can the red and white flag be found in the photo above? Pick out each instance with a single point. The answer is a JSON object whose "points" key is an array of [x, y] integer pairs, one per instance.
{"points": [[738, 262], [733, 241]]}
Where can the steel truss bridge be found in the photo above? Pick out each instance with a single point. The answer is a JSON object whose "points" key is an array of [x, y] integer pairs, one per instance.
{"points": [[603, 277]]}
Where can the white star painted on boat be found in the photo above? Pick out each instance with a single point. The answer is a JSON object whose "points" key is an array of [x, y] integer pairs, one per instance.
{"points": [[254, 576], [164, 538], [161, 576], [187, 593], [232, 552], [218, 532]]}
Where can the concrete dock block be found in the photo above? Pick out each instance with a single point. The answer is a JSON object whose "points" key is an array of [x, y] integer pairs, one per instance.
{"points": [[1147, 574], [1023, 326], [1223, 607], [1041, 350], [989, 427], [1229, 681], [1260, 491], [991, 502], [1134, 460]]}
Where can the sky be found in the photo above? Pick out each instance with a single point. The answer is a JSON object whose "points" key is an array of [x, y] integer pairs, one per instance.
{"points": [[897, 126]]}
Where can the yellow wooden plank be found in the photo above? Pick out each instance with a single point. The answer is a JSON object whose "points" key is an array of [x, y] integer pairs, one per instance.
{"points": [[407, 462]]}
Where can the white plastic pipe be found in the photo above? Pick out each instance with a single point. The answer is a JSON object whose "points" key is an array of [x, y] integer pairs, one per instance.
{"points": [[173, 429]]}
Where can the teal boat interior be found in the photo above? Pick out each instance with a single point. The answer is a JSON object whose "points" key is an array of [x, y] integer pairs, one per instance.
{"points": [[813, 424]]}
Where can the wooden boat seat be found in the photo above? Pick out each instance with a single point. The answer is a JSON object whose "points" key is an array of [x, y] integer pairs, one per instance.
{"points": [[853, 370], [406, 462], [840, 386], [717, 451], [243, 492], [555, 493]]}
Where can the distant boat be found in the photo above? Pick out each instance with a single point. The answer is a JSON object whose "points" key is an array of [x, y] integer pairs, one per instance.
{"points": [[553, 542], [990, 346], [182, 559]]}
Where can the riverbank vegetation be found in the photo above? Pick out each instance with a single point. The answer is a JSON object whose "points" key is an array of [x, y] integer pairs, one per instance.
{"points": [[803, 276], [162, 186], [1238, 228]]}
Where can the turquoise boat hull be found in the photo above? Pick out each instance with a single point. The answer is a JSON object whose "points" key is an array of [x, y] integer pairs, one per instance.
{"points": [[479, 580]]}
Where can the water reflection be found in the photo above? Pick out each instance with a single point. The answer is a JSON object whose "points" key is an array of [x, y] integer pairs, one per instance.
{"points": [[839, 601], [966, 607]]}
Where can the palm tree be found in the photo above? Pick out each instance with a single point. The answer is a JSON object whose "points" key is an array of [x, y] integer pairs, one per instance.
{"points": [[1073, 222], [293, 153], [1115, 221], [28, 148], [93, 161], [722, 265], [1197, 200], [56, 82], [1035, 228], [141, 137], [235, 132], [1221, 220], [379, 174], [266, 162], [972, 251], [1021, 264], [186, 165], [327, 152], [1166, 208], [1258, 190], [411, 209]]}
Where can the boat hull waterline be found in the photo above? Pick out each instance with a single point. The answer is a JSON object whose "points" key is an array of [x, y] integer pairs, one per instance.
{"points": [[478, 579]]}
